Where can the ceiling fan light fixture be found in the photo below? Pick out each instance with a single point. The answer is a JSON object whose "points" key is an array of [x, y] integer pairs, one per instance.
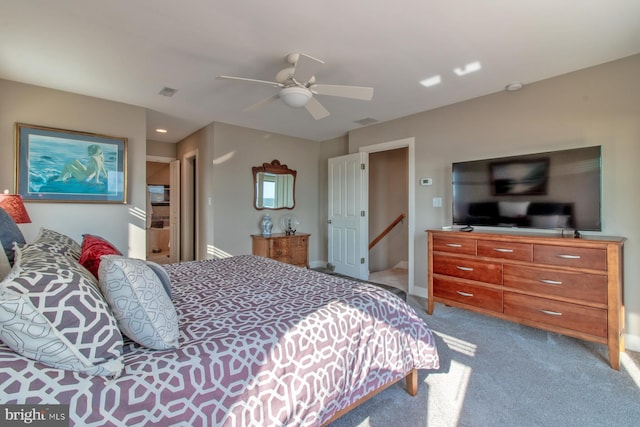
{"points": [[295, 96]]}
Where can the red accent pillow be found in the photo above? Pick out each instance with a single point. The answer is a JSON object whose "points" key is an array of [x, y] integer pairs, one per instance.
{"points": [[93, 247]]}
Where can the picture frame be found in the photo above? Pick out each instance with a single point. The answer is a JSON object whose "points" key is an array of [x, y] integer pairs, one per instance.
{"points": [[522, 177], [59, 165]]}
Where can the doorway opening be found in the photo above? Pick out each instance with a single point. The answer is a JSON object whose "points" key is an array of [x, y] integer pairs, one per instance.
{"points": [[189, 247], [388, 227], [397, 272], [160, 224]]}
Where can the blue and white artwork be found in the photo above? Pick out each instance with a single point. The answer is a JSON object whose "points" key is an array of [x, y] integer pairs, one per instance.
{"points": [[70, 167]]}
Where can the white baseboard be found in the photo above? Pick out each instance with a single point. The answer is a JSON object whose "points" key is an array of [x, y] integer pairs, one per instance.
{"points": [[632, 342], [420, 292], [317, 264]]}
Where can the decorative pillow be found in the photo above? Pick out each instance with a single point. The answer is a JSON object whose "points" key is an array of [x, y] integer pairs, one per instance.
{"points": [[9, 233], [37, 258], [54, 242], [162, 275], [93, 247], [513, 209], [139, 302], [59, 319]]}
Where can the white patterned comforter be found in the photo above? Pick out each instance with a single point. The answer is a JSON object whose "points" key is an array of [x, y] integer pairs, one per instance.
{"points": [[262, 344]]}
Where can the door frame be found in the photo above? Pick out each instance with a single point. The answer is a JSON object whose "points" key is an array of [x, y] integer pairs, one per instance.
{"points": [[409, 143]]}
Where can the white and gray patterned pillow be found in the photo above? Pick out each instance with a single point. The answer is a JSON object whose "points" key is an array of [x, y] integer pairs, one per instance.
{"points": [[162, 275], [37, 257], [56, 316], [54, 242], [139, 302]]}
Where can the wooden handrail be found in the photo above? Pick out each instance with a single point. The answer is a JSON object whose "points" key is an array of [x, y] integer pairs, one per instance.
{"points": [[386, 231]]}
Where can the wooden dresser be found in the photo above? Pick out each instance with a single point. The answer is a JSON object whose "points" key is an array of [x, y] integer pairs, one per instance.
{"points": [[564, 285], [291, 249]]}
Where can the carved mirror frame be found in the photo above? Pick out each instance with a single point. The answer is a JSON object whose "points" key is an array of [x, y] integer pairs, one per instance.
{"points": [[276, 168]]}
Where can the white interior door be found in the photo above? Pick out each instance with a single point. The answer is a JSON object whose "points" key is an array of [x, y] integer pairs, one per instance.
{"points": [[174, 211], [348, 217]]}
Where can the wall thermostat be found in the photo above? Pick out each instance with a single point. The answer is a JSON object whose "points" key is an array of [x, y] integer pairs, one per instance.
{"points": [[426, 181]]}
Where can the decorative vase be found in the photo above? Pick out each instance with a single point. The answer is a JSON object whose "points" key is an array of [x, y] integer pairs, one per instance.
{"points": [[266, 225]]}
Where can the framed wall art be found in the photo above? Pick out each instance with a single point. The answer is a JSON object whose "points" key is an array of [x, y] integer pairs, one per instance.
{"points": [[56, 165]]}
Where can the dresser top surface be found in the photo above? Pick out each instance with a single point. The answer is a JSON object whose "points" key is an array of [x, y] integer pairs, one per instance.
{"points": [[517, 234], [280, 235]]}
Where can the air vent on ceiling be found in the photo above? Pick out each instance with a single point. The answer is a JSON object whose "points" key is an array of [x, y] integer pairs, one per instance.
{"points": [[366, 121], [167, 91]]}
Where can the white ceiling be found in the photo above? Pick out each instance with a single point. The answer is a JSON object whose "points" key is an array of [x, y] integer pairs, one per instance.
{"points": [[127, 51]]}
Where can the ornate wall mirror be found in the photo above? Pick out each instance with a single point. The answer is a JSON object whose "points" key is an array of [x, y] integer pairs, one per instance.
{"points": [[274, 186]]}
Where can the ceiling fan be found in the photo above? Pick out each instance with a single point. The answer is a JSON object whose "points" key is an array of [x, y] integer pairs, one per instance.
{"points": [[298, 86]]}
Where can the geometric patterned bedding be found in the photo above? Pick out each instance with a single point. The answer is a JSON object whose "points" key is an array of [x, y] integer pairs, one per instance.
{"points": [[262, 343]]}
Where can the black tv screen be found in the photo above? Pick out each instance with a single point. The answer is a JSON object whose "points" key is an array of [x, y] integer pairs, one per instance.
{"points": [[556, 189]]}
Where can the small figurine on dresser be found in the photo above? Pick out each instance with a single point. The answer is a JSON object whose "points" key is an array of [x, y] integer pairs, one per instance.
{"points": [[289, 224]]}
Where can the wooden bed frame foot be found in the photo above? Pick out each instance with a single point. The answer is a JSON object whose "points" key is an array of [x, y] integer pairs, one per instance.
{"points": [[412, 389], [412, 382]]}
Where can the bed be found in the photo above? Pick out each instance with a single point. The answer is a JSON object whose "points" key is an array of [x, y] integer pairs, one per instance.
{"points": [[259, 343]]}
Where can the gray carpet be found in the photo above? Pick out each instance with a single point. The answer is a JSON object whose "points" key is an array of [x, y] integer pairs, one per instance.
{"points": [[496, 373]]}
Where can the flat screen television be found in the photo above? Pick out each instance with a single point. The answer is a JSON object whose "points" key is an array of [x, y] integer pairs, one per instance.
{"points": [[556, 189]]}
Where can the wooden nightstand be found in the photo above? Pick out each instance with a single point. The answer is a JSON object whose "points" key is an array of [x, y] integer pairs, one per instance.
{"points": [[291, 249]]}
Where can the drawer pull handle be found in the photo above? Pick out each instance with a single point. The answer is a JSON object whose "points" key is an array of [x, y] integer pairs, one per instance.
{"points": [[454, 245], [464, 268], [464, 294], [551, 313], [551, 282], [568, 256], [504, 250]]}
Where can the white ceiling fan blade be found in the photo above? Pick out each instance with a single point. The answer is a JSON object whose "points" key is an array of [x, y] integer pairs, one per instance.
{"points": [[316, 109], [262, 103], [354, 92], [306, 67], [242, 79]]}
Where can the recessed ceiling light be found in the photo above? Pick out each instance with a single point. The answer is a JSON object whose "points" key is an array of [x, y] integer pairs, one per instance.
{"points": [[431, 81], [512, 87], [469, 68], [161, 130]]}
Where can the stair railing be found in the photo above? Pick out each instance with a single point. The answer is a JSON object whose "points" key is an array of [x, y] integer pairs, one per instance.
{"points": [[386, 230]]}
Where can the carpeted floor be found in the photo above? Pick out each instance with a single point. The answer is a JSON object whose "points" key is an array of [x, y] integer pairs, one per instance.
{"points": [[497, 373]]}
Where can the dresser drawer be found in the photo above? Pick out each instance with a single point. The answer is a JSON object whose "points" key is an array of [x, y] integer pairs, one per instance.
{"points": [[582, 286], [466, 268], [477, 296], [298, 251], [506, 250], [588, 320], [454, 244], [570, 256]]}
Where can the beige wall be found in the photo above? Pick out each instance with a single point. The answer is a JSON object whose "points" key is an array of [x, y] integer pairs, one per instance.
{"points": [[596, 106], [121, 224], [226, 155], [166, 150]]}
